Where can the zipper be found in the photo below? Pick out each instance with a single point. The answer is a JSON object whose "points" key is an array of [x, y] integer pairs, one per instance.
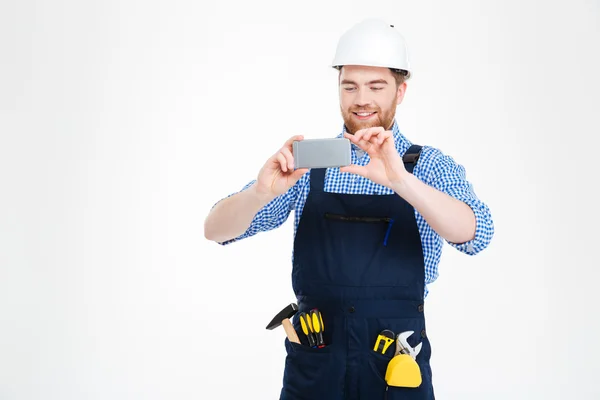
{"points": [[348, 218]]}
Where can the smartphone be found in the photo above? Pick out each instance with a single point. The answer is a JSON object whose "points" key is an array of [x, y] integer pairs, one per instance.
{"points": [[322, 153]]}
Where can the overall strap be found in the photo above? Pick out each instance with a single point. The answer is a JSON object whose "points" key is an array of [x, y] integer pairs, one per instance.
{"points": [[317, 179], [411, 157]]}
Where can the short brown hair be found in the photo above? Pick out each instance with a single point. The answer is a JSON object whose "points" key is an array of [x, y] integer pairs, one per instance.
{"points": [[400, 75]]}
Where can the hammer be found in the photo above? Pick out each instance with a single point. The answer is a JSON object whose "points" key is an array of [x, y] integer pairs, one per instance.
{"points": [[283, 318]]}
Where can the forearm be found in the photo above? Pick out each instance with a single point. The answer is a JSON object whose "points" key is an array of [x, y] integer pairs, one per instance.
{"points": [[232, 216], [452, 219]]}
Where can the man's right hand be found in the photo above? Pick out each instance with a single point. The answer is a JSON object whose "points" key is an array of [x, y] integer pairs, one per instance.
{"points": [[277, 176], [232, 216]]}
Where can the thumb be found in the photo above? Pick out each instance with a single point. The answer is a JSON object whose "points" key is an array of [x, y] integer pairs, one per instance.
{"points": [[297, 174], [355, 169]]}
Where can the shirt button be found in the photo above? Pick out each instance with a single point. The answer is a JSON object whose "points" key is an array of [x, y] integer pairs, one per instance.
{"points": [[421, 307], [423, 333], [351, 309]]}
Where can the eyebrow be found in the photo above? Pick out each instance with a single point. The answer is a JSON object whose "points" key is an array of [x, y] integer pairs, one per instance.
{"points": [[349, 82]]}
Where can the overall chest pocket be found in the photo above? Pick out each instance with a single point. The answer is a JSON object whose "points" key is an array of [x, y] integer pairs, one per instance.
{"points": [[381, 224], [365, 251]]}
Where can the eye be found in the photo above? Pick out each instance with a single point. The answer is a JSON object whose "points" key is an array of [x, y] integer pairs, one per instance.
{"points": [[377, 88], [348, 89]]}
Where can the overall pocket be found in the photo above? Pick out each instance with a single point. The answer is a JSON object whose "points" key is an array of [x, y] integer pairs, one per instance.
{"points": [[373, 384], [378, 363], [372, 380], [368, 220], [362, 250], [308, 372]]}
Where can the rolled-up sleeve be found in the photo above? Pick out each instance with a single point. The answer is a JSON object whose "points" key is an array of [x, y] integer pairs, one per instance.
{"points": [[271, 216], [450, 178]]}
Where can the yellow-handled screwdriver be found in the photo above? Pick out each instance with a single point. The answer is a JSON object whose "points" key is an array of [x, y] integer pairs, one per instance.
{"points": [[307, 328], [317, 325]]}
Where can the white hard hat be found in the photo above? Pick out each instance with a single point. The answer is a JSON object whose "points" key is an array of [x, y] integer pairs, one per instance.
{"points": [[372, 42]]}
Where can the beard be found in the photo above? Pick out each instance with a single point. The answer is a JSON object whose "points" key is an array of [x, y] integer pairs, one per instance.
{"points": [[381, 118]]}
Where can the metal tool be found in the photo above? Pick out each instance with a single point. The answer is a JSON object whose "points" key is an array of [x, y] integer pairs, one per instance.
{"points": [[402, 346], [384, 340], [283, 318], [307, 328]]}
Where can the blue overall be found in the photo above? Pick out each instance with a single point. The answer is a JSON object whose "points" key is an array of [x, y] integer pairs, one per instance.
{"points": [[359, 260]]}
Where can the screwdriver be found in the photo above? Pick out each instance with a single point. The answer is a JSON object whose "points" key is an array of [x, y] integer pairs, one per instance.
{"points": [[308, 329], [317, 325]]}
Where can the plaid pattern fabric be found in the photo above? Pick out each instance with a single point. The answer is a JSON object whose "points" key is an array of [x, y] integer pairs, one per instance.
{"points": [[433, 168]]}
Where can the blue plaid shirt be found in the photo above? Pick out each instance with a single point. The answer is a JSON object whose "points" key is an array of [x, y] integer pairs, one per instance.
{"points": [[434, 168]]}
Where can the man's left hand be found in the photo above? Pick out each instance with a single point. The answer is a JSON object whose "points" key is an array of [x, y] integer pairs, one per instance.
{"points": [[385, 166]]}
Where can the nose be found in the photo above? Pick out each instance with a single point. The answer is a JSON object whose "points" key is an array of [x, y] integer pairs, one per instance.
{"points": [[362, 99]]}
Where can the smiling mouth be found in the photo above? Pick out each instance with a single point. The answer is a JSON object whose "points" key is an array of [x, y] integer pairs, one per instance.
{"points": [[364, 115]]}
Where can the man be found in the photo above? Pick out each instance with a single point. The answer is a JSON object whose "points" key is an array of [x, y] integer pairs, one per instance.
{"points": [[367, 237]]}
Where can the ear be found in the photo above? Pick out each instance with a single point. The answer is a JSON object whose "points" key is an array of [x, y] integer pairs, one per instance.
{"points": [[400, 93]]}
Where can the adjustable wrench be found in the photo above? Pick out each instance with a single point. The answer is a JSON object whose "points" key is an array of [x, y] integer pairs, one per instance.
{"points": [[402, 346]]}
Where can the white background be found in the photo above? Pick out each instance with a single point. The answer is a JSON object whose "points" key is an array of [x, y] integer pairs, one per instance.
{"points": [[123, 122]]}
